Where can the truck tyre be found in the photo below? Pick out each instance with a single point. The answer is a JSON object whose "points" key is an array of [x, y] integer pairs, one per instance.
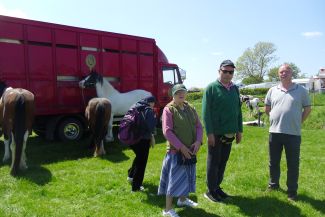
{"points": [[70, 129], [40, 133]]}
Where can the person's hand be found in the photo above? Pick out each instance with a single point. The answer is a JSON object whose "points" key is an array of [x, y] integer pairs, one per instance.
{"points": [[238, 137], [195, 147], [211, 139], [186, 152]]}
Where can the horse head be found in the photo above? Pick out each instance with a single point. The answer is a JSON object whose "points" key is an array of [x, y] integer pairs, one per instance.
{"points": [[91, 80], [3, 87]]}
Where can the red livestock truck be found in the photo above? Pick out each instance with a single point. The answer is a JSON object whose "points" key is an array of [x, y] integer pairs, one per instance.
{"points": [[49, 60]]}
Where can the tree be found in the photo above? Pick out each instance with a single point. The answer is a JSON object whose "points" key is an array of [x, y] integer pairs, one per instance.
{"points": [[296, 72], [252, 80], [254, 62], [273, 74]]}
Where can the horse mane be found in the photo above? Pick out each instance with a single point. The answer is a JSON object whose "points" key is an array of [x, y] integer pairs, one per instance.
{"points": [[100, 80], [98, 76]]}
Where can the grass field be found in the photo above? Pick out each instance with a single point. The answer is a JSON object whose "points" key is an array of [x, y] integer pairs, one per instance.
{"points": [[64, 179]]}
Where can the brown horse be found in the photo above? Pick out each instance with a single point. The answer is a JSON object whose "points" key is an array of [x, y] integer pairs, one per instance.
{"points": [[98, 114], [16, 119]]}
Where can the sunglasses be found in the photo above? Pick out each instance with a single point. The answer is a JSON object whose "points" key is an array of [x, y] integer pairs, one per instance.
{"points": [[226, 71]]}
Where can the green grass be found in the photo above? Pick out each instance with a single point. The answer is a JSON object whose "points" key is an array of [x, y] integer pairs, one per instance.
{"points": [[63, 179]]}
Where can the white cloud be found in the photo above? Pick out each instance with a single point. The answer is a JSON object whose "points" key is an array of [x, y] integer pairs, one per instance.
{"points": [[218, 53], [12, 12], [312, 34]]}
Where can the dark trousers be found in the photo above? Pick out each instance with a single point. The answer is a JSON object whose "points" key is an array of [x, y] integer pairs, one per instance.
{"points": [[216, 163], [141, 150], [291, 146]]}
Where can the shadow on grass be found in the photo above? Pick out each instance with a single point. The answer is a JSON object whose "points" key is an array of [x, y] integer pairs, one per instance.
{"points": [[193, 212], [36, 174], [40, 151], [152, 197], [159, 201], [264, 206], [317, 204]]}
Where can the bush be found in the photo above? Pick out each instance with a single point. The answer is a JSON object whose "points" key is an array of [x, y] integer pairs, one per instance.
{"points": [[256, 91], [194, 96]]}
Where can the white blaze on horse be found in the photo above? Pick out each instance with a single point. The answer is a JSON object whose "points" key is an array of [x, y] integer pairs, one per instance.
{"points": [[98, 114], [16, 119], [121, 102]]}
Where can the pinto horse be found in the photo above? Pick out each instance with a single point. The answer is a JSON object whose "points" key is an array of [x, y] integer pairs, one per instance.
{"points": [[16, 119], [98, 114], [121, 102]]}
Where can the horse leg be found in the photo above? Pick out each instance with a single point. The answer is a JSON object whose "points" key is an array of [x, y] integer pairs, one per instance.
{"points": [[102, 149], [109, 137], [7, 152], [13, 150], [23, 158], [96, 154], [7, 140]]}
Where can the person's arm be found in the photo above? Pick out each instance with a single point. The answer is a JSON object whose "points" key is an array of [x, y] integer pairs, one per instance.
{"points": [[240, 120], [267, 103], [305, 113], [150, 120], [306, 103], [267, 109], [206, 110], [240, 125], [207, 116]]}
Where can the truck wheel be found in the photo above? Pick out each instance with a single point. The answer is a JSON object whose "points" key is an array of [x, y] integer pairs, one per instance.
{"points": [[70, 129], [40, 133]]}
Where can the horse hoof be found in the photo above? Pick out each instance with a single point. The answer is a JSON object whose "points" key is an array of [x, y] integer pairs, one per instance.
{"points": [[98, 154], [13, 173]]}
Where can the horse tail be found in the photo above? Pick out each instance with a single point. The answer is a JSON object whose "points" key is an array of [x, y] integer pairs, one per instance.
{"points": [[19, 128], [99, 124]]}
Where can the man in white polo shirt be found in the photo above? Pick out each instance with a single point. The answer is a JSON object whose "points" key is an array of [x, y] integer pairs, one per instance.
{"points": [[288, 106]]}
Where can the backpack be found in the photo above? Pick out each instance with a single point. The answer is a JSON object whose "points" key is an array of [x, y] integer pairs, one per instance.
{"points": [[132, 126]]}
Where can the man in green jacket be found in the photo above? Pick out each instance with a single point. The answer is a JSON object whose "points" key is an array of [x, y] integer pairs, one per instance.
{"points": [[222, 117]]}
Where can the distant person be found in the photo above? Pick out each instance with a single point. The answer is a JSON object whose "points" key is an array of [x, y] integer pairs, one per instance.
{"points": [[222, 117], [183, 131], [288, 106], [141, 148]]}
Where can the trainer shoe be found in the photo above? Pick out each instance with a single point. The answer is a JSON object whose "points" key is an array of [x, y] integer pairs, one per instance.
{"points": [[129, 179], [170, 213], [222, 194], [273, 187], [213, 196], [140, 189], [186, 202]]}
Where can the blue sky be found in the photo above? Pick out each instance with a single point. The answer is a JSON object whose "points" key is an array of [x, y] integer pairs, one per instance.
{"points": [[198, 35]]}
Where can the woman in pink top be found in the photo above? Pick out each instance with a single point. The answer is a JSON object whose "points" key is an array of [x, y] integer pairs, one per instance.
{"points": [[183, 131]]}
